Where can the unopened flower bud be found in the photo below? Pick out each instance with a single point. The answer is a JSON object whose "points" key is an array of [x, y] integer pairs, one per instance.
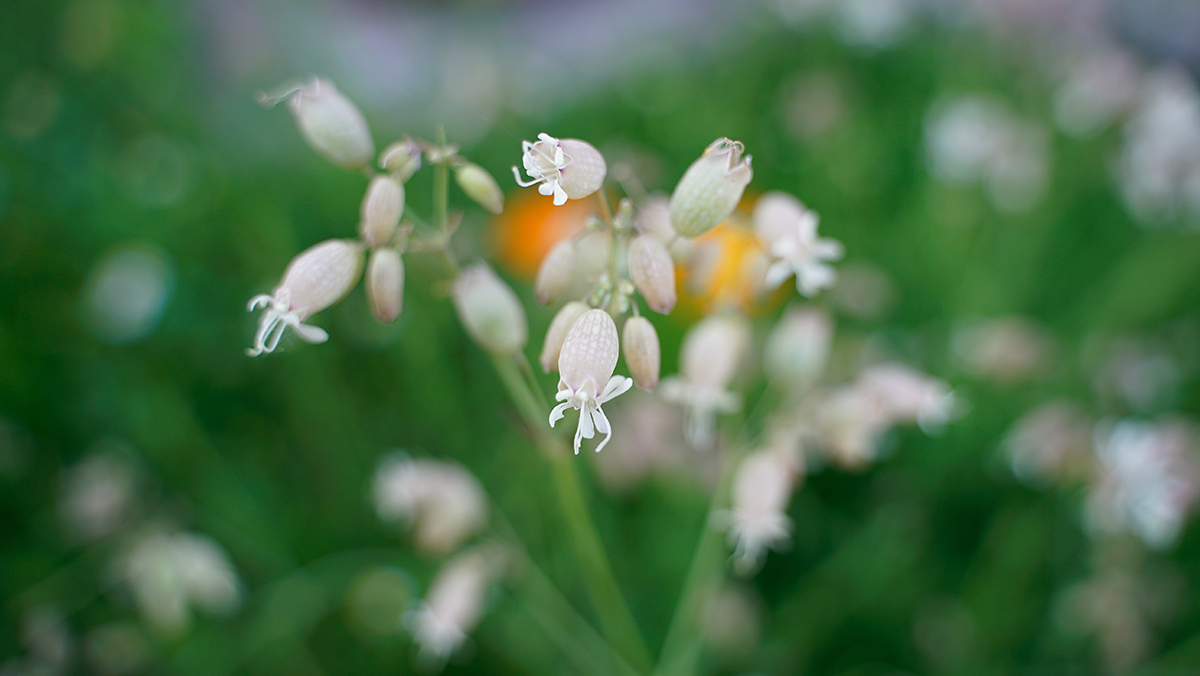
{"points": [[331, 124], [556, 272], [588, 357], [653, 273], [557, 332], [797, 348], [385, 284], [639, 341], [710, 188], [381, 209], [317, 278], [566, 168], [490, 310], [480, 186], [401, 159]]}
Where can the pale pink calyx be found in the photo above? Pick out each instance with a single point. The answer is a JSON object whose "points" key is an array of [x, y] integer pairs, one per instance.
{"points": [[317, 278], [588, 357], [565, 168]]}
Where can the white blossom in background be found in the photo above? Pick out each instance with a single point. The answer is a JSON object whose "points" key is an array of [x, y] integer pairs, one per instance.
{"points": [[977, 139], [788, 231], [904, 394], [1160, 161], [1098, 87], [97, 495], [709, 358], [565, 168], [453, 606], [1148, 479], [1006, 349], [490, 310], [315, 279], [650, 445], [873, 23], [849, 423], [170, 572], [441, 502], [588, 356], [1053, 441], [757, 518], [797, 348]]}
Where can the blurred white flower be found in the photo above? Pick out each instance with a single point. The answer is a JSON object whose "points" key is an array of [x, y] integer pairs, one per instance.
{"points": [[788, 231], [712, 351], [757, 518], [452, 606], [1099, 86], [1006, 349], [97, 494], [1050, 442], [588, 357], [797, 348], [441, 502], [170, 572], [1160, 161], [710, 188], [490, 310], [975, 138], [330, 123], [904, 394], [1149, 479]]}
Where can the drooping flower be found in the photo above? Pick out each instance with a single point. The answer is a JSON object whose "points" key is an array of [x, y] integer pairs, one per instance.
{"points": [[317, 278], [489, 310], [788, 231], [709, 358], [453, 606], [757, 520], [710, 188], [588, 357], [330, 123], [480, 186], [441, 502], [566, 168]]}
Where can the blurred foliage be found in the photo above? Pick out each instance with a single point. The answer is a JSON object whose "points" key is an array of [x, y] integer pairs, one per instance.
{"points": [[934, 561]]}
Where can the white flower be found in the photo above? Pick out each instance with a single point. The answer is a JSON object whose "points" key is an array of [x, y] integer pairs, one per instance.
{"points": [[710, 356], [170, 572], [453, 606], [442, 502], [566, 168], [757, 520], [315, 279], [788, 231], [710, 188], [588, 357]]}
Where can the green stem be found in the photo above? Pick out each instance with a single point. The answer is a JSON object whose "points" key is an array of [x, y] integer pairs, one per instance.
{"points": [[681, 647], [613, 614], [441, 190]]}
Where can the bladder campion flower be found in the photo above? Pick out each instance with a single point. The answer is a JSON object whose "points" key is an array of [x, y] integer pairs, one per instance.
{"points": [[330, 123], [566, 168], [315, 279], [788, 231], [489, 310], [710, 188], [588, 357]]}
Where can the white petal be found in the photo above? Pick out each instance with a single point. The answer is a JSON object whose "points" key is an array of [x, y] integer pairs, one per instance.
{"points": [[602, 425], [586, 427], [616, 386], [557, 413], [310, 333], [778, 272]]}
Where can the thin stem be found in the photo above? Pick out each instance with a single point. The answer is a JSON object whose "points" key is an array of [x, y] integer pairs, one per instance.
{"points": [[681, 647], [441, 189], [613, 614]]}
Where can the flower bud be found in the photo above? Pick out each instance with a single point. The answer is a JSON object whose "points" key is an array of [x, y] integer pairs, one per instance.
{"points": [[556, 272], [385, 284], [480, 186], [489, 310], [566, 168], [653, 273], [557, 332], [797, 348], [332, 125], [381, 209], [401, 159], [639, 341], [710, 188]]}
